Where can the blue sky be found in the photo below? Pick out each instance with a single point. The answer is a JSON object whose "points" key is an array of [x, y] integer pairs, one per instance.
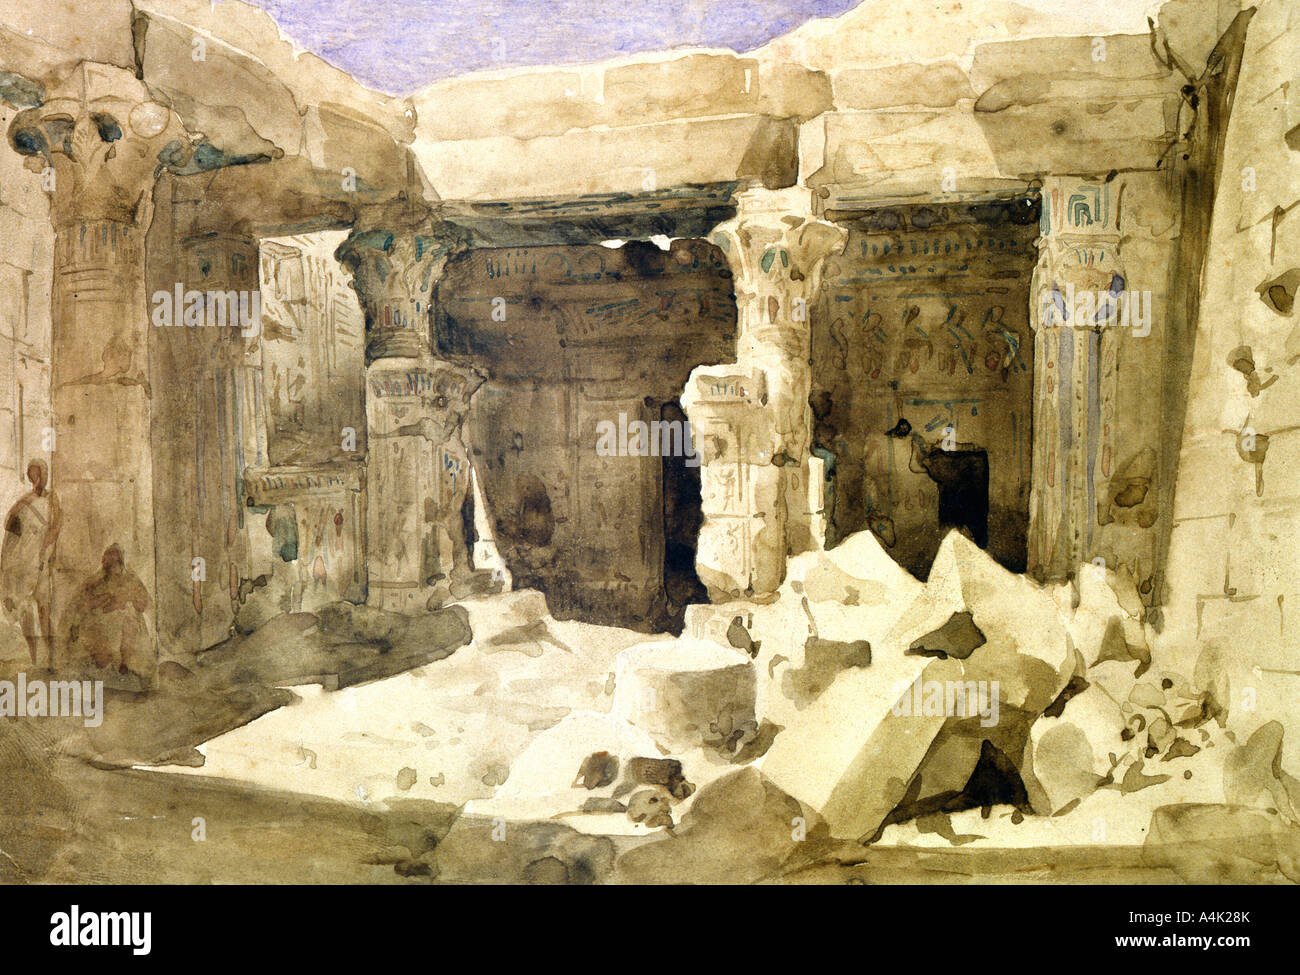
{"points": [[397, 46]]}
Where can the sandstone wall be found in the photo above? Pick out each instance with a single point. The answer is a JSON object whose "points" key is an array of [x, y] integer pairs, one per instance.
{"points": [[26, 266], [928, 320], [589, 333], [1233, 588]]}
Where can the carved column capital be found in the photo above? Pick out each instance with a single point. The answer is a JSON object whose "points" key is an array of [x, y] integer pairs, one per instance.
{"points": [[427, 400], [1078, 256], [776, 248], [105, 140], [396, 255]]}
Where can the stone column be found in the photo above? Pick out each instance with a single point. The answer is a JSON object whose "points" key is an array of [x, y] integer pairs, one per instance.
{"points": [[1077, 288], [417, 466], [752, 421], [207, 364], [97, 141]]}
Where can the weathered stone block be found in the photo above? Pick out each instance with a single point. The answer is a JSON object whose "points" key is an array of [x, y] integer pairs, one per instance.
{"points": [[685, 692], [1027, 648], [1067, 757], [849, 755]]}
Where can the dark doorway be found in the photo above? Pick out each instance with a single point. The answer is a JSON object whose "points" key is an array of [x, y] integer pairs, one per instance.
{"points": [[963, 478], [683, 516]]}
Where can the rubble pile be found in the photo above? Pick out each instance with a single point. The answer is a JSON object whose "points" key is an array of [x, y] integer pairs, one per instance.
{"points": [[859, 707]]}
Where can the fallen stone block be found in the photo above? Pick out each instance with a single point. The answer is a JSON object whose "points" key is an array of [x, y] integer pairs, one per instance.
{"points": [[1115, 677], [1067, 757], [1103, 613], [857, 572], [1027, 648], [651, 808], [665, 773], [970, 762], [1253, 774], [1211, 844], [834, 607], [852, 753], [1170, 695], [591, 765], [685, 692], [740, 829], [598, 770], [797, 657], [584, 755]]}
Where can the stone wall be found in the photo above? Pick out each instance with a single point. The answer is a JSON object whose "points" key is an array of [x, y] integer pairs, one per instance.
{"points": [[581, 336], [313, 351], [26, 268], [309, 475], [1236, 531], [925, 318], [26, 265]]}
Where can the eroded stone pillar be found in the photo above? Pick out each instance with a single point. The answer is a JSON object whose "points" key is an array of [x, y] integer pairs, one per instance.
{"points": [[96, 140], [752, 421], [1077, 299], [206, 316], [417, 466]]}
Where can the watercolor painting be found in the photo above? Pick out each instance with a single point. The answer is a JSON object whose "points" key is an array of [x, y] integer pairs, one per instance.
{"points": [[734, 442]]}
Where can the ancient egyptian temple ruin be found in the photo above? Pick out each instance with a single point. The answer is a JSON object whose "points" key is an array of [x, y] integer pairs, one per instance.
{"points": [[846, 363]]}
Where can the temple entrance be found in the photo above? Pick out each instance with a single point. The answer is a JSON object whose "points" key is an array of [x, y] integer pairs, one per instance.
{"points": [[577, 438], [963, 478], [923, 405]]}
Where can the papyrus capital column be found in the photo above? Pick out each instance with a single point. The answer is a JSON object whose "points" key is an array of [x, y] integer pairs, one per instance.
{"points": [[397, 254], [757, 468], [417, 465], [100, 141], [1077, 289]]}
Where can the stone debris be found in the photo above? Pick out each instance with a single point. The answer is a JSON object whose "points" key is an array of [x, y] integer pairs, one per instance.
{"points": [[1253, 775], [981, 627], [662, 772], [870, 751], [833, 606], [594, 764], [984, 709], [597, 770], [1068, 756], [1027, 648], [849, 755], [649, 807], [740, 829], [559, 762], [1103, 613], [686, 693]]}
